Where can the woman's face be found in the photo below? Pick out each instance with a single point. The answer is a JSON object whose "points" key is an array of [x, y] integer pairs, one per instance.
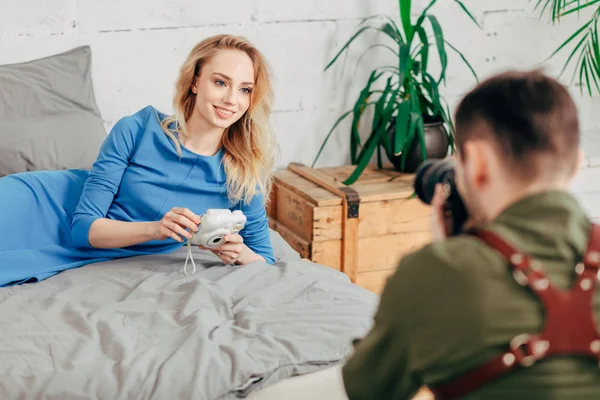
{"points": [[224, 88]]}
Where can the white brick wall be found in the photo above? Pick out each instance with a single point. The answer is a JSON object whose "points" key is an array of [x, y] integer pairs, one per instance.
{"points": [[138, 46]]}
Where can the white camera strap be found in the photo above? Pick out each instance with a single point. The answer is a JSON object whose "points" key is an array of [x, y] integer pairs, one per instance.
{"points": [[189, 257]]}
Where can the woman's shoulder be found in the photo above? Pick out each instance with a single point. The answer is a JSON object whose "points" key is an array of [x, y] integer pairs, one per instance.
{"points": [[144, 116], [147, 118]]}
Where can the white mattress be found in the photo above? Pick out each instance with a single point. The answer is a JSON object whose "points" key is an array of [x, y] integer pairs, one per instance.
{"points": [[326, 384]]}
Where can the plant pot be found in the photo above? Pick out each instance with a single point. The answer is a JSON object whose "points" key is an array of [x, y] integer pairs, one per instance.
{"points": [[436, 146]]}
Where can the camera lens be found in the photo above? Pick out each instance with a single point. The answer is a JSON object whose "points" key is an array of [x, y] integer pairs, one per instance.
{"points": [[432, 172], [429, 174], [422, 175], [215, 241]]}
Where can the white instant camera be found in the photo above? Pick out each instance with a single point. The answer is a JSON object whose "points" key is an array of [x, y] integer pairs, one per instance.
{"points": [[215, 225]]}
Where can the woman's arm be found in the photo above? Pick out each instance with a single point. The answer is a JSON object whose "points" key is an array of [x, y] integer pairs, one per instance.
{"points": [[107, 233], [91, 228], [104, 180], [256, 235]]}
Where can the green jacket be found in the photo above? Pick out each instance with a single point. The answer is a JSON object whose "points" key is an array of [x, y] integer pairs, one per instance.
{"points": [[453, 305]]}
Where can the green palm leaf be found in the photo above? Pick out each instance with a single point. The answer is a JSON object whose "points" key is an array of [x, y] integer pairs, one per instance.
{"points": [[404, 60], [468, 13], [584, 70], [580, 6], [556, 7], [402, 127], [462, 56], [390, 20], [424, 14], [361, 30], [410, 92], [572, 37], [392, 32], [381, 103], [340, 119], [581, 42], [431, 87], [376, 138], [424, 51], [439, 40], [375, 46], [405, 8], [587, 44], [358, 110]]}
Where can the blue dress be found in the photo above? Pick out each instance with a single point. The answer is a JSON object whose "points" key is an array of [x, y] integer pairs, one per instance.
{"points": [[45, 216]]}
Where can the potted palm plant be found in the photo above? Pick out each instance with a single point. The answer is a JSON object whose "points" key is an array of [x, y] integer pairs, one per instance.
{"points": [[411, 120], [587, 47]]}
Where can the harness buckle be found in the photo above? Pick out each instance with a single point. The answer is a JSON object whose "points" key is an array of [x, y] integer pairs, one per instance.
{"points": [[594, 258], [520, 276], [519, 346]]}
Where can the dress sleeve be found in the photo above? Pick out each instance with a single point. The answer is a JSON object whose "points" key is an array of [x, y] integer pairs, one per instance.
{"points": [[256, 233], [104, 179]]}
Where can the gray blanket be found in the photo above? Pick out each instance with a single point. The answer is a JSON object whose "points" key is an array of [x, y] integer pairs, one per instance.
{"points": [[140, 329]]}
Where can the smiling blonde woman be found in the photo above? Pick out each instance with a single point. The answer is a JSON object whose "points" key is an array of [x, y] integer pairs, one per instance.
{"points": [[156, 174]]}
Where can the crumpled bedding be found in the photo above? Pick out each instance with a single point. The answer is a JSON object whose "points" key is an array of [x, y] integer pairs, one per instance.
{"points": [[138, 328]]}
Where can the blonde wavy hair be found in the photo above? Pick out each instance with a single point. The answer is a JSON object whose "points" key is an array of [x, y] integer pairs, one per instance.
{"points": [[249, 144]]}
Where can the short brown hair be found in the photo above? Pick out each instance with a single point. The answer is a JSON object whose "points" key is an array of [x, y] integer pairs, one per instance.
{"points": [[530, 116]]}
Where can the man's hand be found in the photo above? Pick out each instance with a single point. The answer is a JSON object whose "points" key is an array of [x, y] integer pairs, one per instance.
{"points": [[441, 223], [234, 251]]}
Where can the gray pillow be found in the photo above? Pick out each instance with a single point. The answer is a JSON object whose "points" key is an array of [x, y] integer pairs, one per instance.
{"points": [[49, 119]]}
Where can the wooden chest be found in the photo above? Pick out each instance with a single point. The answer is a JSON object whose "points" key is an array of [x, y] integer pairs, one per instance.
{"points": [[362, 230]]}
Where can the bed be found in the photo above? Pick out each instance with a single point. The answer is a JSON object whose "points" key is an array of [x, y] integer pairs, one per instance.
{"points": [[138, 328]]}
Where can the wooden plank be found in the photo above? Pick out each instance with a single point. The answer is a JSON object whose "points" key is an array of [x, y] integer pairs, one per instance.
{"points": [[374, 280], [328, 253], [272, 206], [295, 212], [385, 252], [349, 244], [313, 219], [296, 242], [349, 224], [372, 185], [382, 191], [369, 174], [320, 178], [375, 184], [393, 216], [309, 222], [306, 189], [327, 223]]}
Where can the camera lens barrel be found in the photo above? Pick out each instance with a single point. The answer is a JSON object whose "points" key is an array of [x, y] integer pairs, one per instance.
{"points": [[429, 173]]}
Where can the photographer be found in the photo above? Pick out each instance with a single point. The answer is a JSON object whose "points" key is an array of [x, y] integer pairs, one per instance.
{"points": [[486, 313]]}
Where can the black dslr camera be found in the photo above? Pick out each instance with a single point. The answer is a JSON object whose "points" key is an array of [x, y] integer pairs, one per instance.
{"points": [[433, 171]]}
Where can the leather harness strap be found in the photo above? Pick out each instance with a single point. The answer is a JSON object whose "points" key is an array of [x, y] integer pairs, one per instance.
{"points": [[569, 326]]}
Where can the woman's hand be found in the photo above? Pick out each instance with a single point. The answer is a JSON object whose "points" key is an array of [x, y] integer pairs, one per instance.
{"points": [[234, 251], [174, 224]]}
